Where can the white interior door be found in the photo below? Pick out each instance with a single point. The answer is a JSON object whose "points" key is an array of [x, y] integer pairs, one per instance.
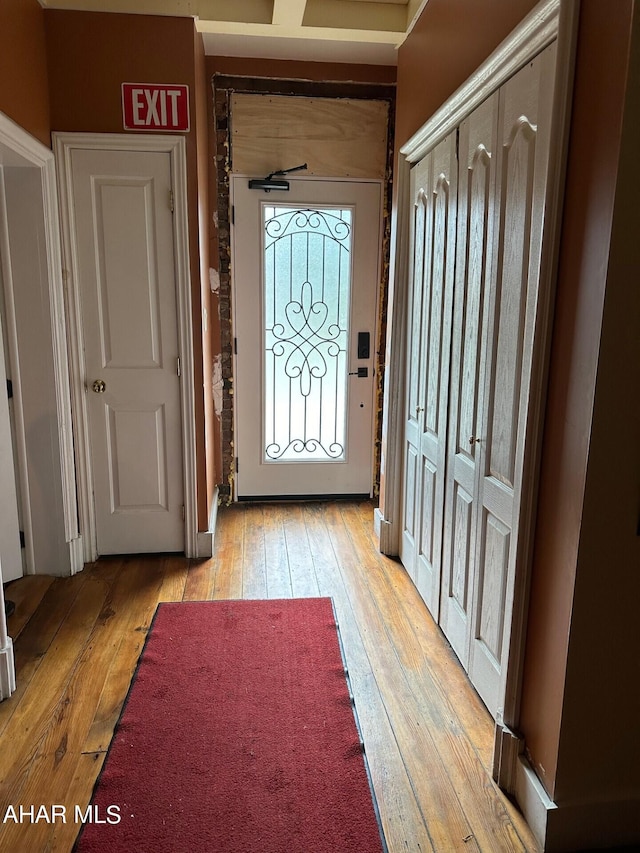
{"points": [[305, 272], [122, 228], [433, 263]]}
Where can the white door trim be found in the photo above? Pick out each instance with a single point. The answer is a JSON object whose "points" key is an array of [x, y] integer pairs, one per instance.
{"points": [[63, 145], [550, 20], [27, 151]]}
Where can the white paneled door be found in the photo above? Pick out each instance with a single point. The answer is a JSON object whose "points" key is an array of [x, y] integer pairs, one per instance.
{"points": [[122, 228], [471, 329], [305, 269], [524, 124], [434, 182]]}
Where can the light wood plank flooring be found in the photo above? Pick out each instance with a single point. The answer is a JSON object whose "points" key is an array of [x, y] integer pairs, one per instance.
{"points": [[428, 738]]}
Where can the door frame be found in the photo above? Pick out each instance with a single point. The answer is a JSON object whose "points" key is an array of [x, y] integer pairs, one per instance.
{"points": [[18, 148], [549, 21], [63, 145]]}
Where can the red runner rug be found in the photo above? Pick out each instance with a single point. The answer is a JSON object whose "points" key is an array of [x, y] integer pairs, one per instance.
{"points": [[238, 736]]}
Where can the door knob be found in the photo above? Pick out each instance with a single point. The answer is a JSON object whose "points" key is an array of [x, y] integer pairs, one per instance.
{"points": [[474, 440], [99, 386]]}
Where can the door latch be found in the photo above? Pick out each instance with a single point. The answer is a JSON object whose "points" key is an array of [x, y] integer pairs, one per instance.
{"points": [[361, 372]]}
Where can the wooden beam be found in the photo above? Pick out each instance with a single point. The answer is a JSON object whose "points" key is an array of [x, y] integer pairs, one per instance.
{"points": [[288, 12]]}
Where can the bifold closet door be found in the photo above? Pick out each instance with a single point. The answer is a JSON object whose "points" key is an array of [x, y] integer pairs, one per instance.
{"points": [[504, 152], [434, 193], [512, 340], [478, 144]]}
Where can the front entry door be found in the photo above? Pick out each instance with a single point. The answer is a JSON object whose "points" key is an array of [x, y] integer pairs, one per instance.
{"points": [[123, 233], [306, 269]]}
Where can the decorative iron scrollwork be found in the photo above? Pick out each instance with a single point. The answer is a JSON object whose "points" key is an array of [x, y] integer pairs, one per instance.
{"points": [[307, 336]]}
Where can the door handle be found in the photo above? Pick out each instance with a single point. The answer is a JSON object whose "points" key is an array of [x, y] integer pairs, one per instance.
{"points": [[361, 372], [99, 386]]}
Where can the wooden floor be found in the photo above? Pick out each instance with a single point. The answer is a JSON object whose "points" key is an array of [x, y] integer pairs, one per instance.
{"points": [[428, 738]]}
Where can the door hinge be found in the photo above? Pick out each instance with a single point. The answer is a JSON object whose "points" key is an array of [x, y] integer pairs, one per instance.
{"points": [[171, 201], [235, 346], [22, 540], [233, 214], [457, 143], [183, 514], [9, 388], [237, 465], [178, 366]]}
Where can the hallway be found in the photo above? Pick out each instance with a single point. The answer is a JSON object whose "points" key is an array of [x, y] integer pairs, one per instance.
{"points": [[427, 736]]}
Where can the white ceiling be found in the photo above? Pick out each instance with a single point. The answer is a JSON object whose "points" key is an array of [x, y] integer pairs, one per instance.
{"points": [[360, 31]]}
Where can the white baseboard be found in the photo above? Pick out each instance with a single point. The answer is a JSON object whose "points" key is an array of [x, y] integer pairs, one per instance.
{"points": [[533, 800], [7, 671], [575, 826], [377, 522], [206, 538], [76, 551], [382, 529]]}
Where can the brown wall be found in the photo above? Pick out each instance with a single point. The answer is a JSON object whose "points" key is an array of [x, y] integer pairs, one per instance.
{"points": [[90, 54], [449, 41], [591, 182], [602, 701], [24, 94], [563, 527]]}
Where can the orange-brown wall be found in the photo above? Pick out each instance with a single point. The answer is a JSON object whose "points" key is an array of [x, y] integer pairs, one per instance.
{"points": [[599, 750], [90, 54], [24, 93], [449, 41], [599, 91]]}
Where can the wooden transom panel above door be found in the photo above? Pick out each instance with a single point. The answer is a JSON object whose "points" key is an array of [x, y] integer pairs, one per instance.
{"points": [[336, 137]]}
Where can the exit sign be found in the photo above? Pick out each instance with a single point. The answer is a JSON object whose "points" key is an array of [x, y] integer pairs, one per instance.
{"points": [[147, 106]]}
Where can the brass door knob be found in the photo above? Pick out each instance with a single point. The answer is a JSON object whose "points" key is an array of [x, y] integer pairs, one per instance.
{"points": [[99, 386]]}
